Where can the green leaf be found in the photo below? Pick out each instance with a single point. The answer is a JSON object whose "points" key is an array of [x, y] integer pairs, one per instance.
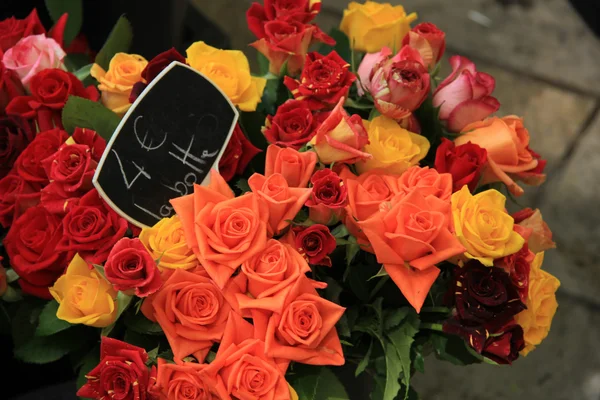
{"points": [[11, 275], [123, 301], [25, 320], [394, 317], [152, 355], [342, 45], [140, 324], [46, 349], [100, 269], [382, 272], [84, 113], [364, 363], [84, 72], [358, 105], [263, 63], [452, 349], [147, 342], [317, 383], [90, 361], [374, 113], [340, 231], [56, 8], [351, 250], [402, 338], [118, 41], [242, 185], [49, 324]]}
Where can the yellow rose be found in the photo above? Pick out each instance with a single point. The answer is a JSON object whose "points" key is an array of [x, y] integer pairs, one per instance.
{"points": [[84, 296], [166, 241], [230, 71], [483, 226], [541, 305], [372, 26], [124, 71], [394, 149]]}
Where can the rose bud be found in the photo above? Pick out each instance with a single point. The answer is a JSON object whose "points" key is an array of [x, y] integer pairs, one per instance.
{"points": [[12, 29], [10, 87], [328, 197], [238, 153], [465, 96], [324, 81], [504, 348], [293, 125], [541, 236], [131, 268], [429, 41], [465, 163], [316, 243]]}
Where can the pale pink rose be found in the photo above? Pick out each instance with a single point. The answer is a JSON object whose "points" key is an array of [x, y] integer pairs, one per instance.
{"points": [[367, 64], [31, 55]]}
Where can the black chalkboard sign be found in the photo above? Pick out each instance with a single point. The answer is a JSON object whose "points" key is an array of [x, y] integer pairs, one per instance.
{"points": [[170, 138]]}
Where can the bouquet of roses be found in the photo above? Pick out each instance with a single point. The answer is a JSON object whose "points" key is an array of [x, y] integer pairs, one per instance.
{"points": [[356, 220]]}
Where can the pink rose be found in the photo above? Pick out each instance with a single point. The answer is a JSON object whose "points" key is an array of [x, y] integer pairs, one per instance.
{"points": [[465, 97], [31, 55]]}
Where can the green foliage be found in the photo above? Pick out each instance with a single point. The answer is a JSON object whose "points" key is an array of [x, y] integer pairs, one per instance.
{"points": [[89, 362], [46, 349], [140, 324], [74, 8], [342, 45], [118, 41], [49, 324], [242, 185], [84, 113], [340, 231], [316, 383], [351, 250], [263, 64], [123, 301], [452, 349], [84, 72]]}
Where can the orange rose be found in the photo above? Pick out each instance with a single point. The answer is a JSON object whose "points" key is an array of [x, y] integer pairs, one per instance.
{"points": [[283, 201], [426, 180], [242, 369], [192, 311], [183, 382], [305, 330], [509, 156], [296, 167], [409, 239], [271, 275], [222, 230]]}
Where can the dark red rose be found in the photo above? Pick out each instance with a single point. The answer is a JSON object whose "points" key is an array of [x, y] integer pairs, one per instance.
{"points": [[130, 268], [10, 87], [464, 163], [483, 296], [315, 243], [15, 135], [293, 125], [16, 196], [238, 153], [518, 266], [429, 40], [155, 67], [504, 347], [31, 246], [29, 164], [329, 196], [91, 228], [12, 30], [324, 81], [302, 11], [121, 374]]}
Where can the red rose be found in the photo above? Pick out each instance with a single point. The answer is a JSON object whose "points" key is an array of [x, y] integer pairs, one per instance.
{"points": [[15, 135], [293, 125], [518, 266], [324, 81], [130, 268], [91, 139], [464, 163], [153, 68], [10, 87], [238, 153], [316, 243], [12, 30], [31, 245], [121, 374], [91, 228], [504, 347], [29, 164], [329, 196], [302, 11], [429, 40], [16, 196]]}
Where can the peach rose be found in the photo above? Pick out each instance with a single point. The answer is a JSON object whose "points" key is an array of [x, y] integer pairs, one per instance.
{"points": [[305, 330], [183, 382], [424, 179], [192, 311], [284, 202], [271, 275], [409, 238], [509, 156], [223, 231], [296, 167], [31, 55], [242, 368], [541, 236], [341, 137]]}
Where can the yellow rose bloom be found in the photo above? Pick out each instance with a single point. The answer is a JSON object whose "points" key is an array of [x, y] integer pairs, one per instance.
{"points": [[85, 297], [166, 242], [394, 149], [483, 226], [541, 305], [372, 26], [124, 71], [230, 71]]}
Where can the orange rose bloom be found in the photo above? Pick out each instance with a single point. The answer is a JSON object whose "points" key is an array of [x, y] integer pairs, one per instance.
{"points": [[271, 275], [192, 311], [296, 167], [509, 156], [242, 370], [222, 230], [409, 239], [183, 382], [424, 179], [283, 201], [305, 330]]}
